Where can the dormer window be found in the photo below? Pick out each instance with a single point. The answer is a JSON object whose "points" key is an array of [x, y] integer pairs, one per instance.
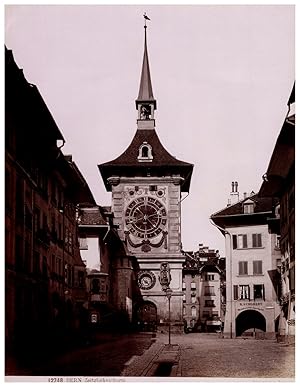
{"points": [[145, 152], [248, 207]]}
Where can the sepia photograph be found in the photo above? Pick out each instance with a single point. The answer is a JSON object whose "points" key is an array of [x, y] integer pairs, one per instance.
{"points": [[149, 193]]}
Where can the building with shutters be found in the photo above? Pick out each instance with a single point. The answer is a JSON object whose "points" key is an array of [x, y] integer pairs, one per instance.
{"points": [[252, 256], [203, 286], [44, 273], [279, 183]]}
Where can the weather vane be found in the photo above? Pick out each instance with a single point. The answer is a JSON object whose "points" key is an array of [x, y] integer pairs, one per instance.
{"points": [[146, 18]]}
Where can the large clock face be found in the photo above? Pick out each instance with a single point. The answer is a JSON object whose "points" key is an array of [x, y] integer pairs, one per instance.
{"points": [[145, 217]]}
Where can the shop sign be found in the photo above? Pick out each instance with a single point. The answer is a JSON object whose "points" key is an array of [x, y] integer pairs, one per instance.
{"points": [[250, 305]]}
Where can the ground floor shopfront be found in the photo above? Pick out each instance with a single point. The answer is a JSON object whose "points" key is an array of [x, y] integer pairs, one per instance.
{"points": [[251, 318]]}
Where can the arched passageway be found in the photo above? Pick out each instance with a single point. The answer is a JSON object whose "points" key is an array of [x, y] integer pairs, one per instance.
{"points": [[146, 316], [250, 320]]}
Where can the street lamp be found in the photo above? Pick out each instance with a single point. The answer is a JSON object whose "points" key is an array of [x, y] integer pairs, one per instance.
{"points": [[169, 295]]}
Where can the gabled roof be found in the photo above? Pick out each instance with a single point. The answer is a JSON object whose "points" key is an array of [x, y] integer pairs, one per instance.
{"points": [[163, 162], [234, 214]]}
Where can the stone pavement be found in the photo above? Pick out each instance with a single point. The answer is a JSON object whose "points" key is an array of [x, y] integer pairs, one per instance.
{"points": [[208, 356]]}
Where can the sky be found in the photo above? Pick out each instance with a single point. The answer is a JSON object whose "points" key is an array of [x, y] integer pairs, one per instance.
{"points": [[221, 75]]}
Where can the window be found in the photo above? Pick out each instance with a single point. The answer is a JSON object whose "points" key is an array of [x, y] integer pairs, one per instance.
{"points": [[257, 267], [235, 292], [242, 241], [83, 245], [145, 152], [239, 241], [209, 277], [256, 240], [95, 286], [183, 298], [81, 278], [243, 268], [184, 310], [193, 285], [248, 208], [278, 262], [193, 299], [209, 291], [209, 303], [183, 286], [205, 314], [194, 311], [244, 292], [258, 292]]}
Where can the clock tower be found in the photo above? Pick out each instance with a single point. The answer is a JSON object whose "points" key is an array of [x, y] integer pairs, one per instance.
{"points": [[147, 182]]}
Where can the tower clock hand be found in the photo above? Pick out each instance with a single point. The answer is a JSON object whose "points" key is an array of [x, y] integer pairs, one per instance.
{"points": [[152, 224]]}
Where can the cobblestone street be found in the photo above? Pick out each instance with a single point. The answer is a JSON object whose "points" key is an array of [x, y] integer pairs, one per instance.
{"points": [[204, 356], [195, 355], [209, 356]]}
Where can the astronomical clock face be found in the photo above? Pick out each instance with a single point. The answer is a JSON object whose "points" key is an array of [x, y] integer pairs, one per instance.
{"points": [[145, 217], [146, 280]]}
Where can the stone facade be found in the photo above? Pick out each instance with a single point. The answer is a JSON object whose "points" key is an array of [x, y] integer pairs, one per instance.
{"points": [[146, 184]]}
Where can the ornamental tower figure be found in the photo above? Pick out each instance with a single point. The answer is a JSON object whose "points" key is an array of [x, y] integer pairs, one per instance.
{"points": [[146, 184]]}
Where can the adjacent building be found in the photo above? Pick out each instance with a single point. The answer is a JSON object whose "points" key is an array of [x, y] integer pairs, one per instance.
{"points": [[203, 287], [279, 182], [111, 279], [146, 184], [44, 274], [252, 254]]}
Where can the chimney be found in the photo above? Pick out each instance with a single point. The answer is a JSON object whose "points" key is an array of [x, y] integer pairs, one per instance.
{"points": [[234, 194], [245, 195]]}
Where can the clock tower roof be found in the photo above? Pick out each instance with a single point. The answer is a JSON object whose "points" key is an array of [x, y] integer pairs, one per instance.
{"points": [[162, 162], [146, 156]]}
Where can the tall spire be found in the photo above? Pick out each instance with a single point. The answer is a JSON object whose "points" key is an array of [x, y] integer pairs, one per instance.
{"points": [[145, 91]]}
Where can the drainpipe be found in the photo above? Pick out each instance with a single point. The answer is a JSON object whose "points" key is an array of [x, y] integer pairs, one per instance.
{"points": [[230, 257]]}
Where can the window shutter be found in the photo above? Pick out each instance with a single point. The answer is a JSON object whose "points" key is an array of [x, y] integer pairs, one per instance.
{"points": [[263, 292], [234, 241], [245, 240], [253, 240], [235, 292], [257, 267], [240, 267], [259, 244]]}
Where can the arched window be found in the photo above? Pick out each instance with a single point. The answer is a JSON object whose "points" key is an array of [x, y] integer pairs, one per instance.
{"points": [[145, 152]]}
